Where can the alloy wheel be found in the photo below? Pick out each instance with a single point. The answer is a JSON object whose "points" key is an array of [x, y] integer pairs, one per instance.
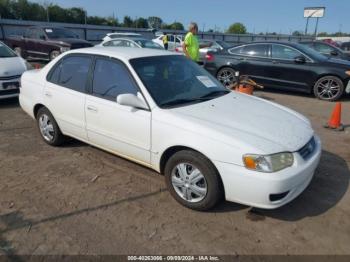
{"points": [[328, 89], [226, 77]]}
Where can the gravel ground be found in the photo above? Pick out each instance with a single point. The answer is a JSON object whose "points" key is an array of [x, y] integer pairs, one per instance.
{"points": [[77, 199]]}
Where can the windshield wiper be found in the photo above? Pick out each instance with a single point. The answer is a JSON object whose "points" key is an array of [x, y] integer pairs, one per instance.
{"points": [[215, 94], [181, 101]]}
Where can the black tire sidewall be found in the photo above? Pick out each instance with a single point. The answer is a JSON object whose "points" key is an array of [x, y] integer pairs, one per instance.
{"points": [[214, 192], [58, 137], [334, 78]]}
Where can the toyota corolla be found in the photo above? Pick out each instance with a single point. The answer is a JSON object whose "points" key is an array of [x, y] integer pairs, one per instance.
{"points": [[165, 112]]}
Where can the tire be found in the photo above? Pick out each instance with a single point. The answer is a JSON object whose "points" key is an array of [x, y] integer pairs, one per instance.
{"points": [[329, 88], [226, 76], [193, 180], [54, 54], [48, 128], [18, 51]]}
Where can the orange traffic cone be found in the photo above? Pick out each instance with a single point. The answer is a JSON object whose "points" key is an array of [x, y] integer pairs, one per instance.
{"points": [[335, 120]]}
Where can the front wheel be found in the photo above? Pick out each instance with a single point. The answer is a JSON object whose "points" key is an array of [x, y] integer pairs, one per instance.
{"points": [[329, 88], [193, 180]]}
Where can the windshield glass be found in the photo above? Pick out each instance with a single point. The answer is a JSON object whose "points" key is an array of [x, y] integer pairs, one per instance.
{"points": [[6, 51], [311, 52], [148, 44], [175, 80], [224, 44], [54, 33]]}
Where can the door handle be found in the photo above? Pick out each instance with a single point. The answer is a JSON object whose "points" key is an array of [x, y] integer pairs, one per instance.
{"points": [[92, 108], [48, 94], [275, 62]]}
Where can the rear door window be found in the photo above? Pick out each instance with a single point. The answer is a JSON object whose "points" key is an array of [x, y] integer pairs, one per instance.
{"points": [[73, 72], [260, 50]]}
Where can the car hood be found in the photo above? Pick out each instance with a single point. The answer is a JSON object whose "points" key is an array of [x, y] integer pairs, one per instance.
{"points": [[12, 66], [247, 121], [69, 41], [339, 61]]}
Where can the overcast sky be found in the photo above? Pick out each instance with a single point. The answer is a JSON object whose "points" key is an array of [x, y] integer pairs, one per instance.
{"points": [[280, 16]]}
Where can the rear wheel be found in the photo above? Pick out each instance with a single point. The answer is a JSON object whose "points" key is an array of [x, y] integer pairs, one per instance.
{"points": [[193, 180], [227, 76], [329, 88], [48, 128]]}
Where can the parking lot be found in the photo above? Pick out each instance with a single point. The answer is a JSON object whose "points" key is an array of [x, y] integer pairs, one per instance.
{"points": [[77, 199]]}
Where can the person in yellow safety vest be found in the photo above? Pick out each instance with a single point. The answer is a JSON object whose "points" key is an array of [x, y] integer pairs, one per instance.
{"points": [[191, 45], [165, 41]]}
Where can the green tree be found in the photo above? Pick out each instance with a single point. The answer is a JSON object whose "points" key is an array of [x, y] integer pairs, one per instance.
{"points": [[155, 22], [237, 28], [128, 22], [141, 23], [297, 33]]}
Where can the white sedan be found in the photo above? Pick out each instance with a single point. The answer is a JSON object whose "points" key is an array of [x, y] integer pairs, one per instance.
{"points": [[11, 69], [165, 112]]}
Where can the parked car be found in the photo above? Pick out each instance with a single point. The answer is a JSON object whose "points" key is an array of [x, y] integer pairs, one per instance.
{"points": [[282, 65], [326, 49], [212, 46], [111, 36], [165, 112], [11, 69], [174, 42], [136, 42], [345, 47], [45, 42]]}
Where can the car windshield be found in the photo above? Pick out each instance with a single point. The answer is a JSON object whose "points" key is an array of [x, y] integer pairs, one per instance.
{"points": [[144, 43], [224, 44], [6, 51], [175, 80], [311, 52], [55, 33]]}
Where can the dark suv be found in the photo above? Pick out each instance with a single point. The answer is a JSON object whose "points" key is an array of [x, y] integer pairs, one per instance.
{"points": [[45, 42]]}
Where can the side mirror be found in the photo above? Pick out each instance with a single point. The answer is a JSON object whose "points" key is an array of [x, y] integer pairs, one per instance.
{"points": [[131, 100], [300, 60], [334, 53]]}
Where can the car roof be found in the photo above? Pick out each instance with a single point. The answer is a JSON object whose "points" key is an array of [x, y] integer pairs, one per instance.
{"points": [[128, 38], [292, 44], [125, 53]]}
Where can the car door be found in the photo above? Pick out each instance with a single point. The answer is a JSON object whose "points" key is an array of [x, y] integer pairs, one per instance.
{"points": [[120, 129], [29, 42], [65, 93], [284, 71], [253, 60]]}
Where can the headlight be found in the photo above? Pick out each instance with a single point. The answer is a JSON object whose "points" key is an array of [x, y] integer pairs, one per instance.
{"points": [[268, 163], [64, 49], [347, 72]]}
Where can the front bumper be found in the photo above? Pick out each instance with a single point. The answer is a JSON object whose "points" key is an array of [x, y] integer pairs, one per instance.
{"points": [[8, 92], [259, 189]]}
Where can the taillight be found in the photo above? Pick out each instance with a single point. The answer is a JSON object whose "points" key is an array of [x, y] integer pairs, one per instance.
{"points": [[209, 57]]}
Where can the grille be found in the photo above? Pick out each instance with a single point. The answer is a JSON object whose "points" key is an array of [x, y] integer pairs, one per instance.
{"points": [[9, 77], [9, 92], [307, 150]]}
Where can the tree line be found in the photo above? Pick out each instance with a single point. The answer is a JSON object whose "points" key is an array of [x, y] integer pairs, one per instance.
{"points": [[26, 10]]}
